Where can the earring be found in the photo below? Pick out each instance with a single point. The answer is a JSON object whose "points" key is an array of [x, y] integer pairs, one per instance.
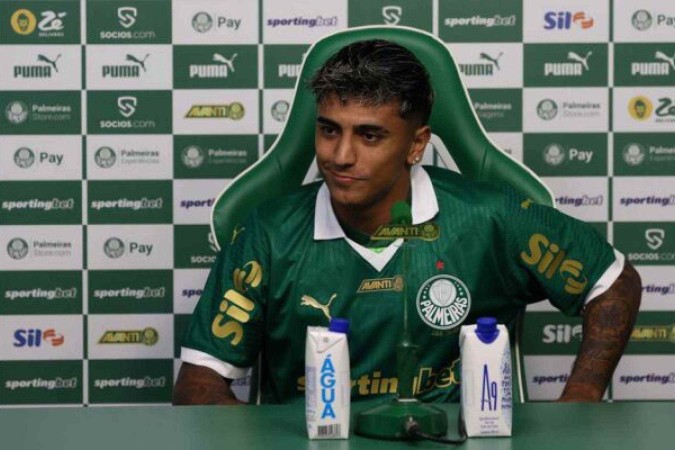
{"points": [[417, 159]]}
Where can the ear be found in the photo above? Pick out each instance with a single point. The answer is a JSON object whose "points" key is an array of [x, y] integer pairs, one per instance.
{"points": [[421, 138]]}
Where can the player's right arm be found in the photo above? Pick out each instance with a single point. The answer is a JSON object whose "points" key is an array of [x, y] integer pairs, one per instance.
{"points": [[226, 329], [199, 385]]}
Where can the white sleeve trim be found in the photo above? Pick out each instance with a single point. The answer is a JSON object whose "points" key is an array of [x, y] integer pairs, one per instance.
{"points": [[221, 367], [608, 278]]}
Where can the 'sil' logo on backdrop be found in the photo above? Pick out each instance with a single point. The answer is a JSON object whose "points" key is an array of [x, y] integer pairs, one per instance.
{"points": [[655, 237], [113, 248], [24, 157], [127, 16], [392, 14], [127, 106], [17, 248], [641, 20]]}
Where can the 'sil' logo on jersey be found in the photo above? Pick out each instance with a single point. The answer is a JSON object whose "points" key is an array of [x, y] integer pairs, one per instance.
{"points": [[443, 302], [307, 300], [549, 258]]}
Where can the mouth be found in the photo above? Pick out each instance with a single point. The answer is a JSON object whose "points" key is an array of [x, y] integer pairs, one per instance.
{"points": [[343, 178]]}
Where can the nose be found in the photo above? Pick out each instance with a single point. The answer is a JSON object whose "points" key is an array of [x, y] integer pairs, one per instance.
{"points": [[345, 154]]}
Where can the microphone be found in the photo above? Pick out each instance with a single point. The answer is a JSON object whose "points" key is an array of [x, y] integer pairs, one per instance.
{"points": [[401, 214]]}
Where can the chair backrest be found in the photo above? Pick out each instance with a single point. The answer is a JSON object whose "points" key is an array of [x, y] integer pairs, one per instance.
{"points": [[453, 121]]}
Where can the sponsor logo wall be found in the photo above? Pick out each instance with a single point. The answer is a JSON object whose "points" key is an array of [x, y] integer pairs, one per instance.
{"points": [[121, 121]]}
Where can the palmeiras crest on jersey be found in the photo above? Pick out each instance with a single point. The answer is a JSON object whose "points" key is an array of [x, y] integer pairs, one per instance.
{"points": [[443, 302]]}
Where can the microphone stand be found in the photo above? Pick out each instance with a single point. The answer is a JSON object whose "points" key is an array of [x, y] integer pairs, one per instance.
{"points": [[405, 415]]}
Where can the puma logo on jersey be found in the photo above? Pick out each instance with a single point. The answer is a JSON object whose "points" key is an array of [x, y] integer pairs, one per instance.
{"points": [[307, 300], [236, 232]]}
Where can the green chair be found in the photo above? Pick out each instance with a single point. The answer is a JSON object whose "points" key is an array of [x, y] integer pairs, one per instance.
{"points": [[458, 134]]}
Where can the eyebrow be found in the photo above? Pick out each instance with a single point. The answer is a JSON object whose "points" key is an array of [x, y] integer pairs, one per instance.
{"points": [[360, 129]]}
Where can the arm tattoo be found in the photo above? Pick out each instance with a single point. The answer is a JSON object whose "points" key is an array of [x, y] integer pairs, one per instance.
{"points": [[198, 385], [608, 323]]}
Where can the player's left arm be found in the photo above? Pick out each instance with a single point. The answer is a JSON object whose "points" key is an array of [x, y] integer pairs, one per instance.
{"points": [[608, 323]]}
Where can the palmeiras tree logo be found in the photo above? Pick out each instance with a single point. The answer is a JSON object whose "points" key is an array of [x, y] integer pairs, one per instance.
{"points": [[641, 20], [443, 302], [105, 157], [17, 248], [192, 156], [202, 22], [16, 112], [113, 248], [547, 109], [280, 110], [24, 157], [554, 154], [634, 154]]}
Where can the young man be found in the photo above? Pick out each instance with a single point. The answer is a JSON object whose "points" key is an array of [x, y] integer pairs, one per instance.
{"points": [[308, 257]]}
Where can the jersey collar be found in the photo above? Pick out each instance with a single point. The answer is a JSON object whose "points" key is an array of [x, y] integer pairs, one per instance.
{"points": [[424, 206]]}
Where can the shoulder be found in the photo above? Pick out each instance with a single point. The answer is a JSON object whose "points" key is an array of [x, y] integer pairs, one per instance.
{"points": [[290, 210], [457, 191]]}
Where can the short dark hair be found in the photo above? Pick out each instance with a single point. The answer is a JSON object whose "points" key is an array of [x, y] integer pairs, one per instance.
{"points": [[376, 72]]}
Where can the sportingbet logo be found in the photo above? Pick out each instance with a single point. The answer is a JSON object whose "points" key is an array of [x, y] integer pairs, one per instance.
{"points": [[220, 70], [147, 336], [666, 378], [584, 200], [655, 237], [39, 383], [561, 334], [481, 21], [46, 69], [392, 14], [235, 309], [41, 294], [146, 292], [577, 67], [37, 204], [564, 20], [125, 203], [126, 16], [206, 203], [138, 383], [546, 379], [127, 106], [189, 293], [318, 21], [548, 259], [651, 200], [35, 337]]}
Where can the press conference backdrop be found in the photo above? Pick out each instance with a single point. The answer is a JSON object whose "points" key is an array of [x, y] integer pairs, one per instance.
{"points": [[122, 120]]}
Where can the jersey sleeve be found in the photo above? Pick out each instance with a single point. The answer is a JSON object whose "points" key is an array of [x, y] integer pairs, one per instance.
{"points": [[226, 327], [549, 254]]}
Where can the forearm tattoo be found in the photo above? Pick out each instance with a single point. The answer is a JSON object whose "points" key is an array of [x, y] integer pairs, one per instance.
{"points": [[202, 386]]}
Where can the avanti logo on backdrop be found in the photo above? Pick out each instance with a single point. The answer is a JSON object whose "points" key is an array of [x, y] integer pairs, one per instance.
{"points": [[51, 25], [147, 336], [202, 22], [576, 68], [482, 69], [44, 70], [299, 21], [220, 70], [481, 21], [643, 20], [126, 70], [653, 333], [392, 14], [35, 337], [565, 20], [234, 111]]}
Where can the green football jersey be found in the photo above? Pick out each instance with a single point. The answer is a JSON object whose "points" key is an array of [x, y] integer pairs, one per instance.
{"points": [[486, 252]]}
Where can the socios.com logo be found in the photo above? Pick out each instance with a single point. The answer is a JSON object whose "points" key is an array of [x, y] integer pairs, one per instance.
{"points": [[641, 20], [192, 156], [24, 157], [105, 157], [113, 248], [127, 105], [16, 112], [640, 108], [126, 16], [392, 14], [634, 154], [554, 154], [17, 248], [655, 237], [202, 22], [547, 109]]}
